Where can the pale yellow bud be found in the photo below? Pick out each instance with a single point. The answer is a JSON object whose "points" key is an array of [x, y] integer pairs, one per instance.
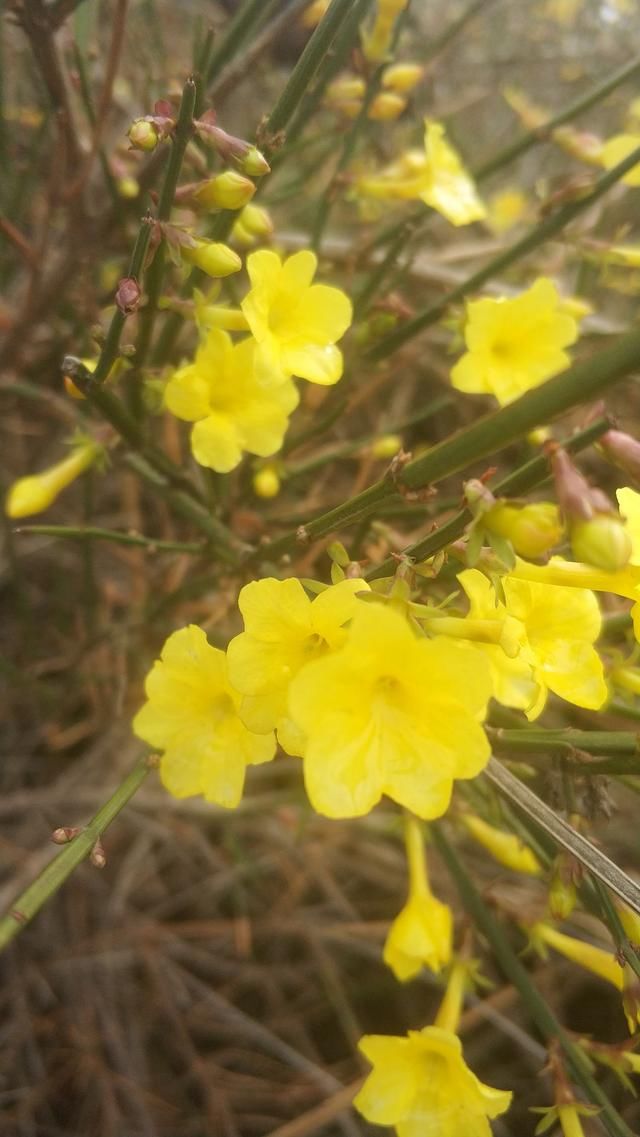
{"points": [[402, 77], [387, 106], [386, 446], [345, 87], [37, 492], [256, 221], [143, 135], [266, 482], [532, 529], [128, 187], [229, 190], [255, 164], [506, 848], [603, 542], [212, 257]]}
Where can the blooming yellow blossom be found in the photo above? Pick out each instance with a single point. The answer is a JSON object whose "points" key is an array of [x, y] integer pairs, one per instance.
{"points": [[296, 323], [513, 345], [507, 848], [191, 714], [573, 574], [558, 627], [434, 175], [37, 492], [423, 1087], [421, 935], [390, 713], [618, 148], [221, 394], [284, 630]]}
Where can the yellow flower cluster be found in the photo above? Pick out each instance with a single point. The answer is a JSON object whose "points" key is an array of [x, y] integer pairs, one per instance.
{"points": [[240, 395]]}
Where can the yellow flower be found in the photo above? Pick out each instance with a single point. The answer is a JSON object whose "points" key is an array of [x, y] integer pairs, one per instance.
{"points": [[390, 713], [513, 345], [558, 627], [434, 175], [618, 148], [191, 714], [506, 209], [296, 323], [594, 959], [507, 848], [573, 574], [377, 38], [402, 77], [232, 411], [422, 1086], [421, 935], [37, 492], [284, 630]]}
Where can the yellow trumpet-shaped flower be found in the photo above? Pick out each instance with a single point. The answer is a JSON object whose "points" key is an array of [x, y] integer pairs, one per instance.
{"points": [[191, 714], [390, 713], [514, 345], [421, 934], [284, 631], [421, 1085], [435, 175], [220, 392], [296, 323], [594, 959], [37, 492], [558, 628], [507, 848]]}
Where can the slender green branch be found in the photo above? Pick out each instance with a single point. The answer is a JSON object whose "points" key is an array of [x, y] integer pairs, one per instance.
{"points": [[513, 970], [542, 133], [488, 435], [525, 478], [94, 533], [111, 345], [29, 903], [536, 236], [615, 742], [307, 66], [246, 17], [563, 834], [155, 274]]}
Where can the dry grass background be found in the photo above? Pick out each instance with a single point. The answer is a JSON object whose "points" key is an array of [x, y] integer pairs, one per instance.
{"points": [[214, 978]]}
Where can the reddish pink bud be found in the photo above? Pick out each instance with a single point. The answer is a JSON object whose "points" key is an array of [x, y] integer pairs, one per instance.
{"points": [[623, 451], [127, 295]]}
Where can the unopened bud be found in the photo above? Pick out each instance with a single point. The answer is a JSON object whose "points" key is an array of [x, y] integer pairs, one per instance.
{"points": [[143, 134], [313, 14], [563, 892], [386, 446], [128, 187], [37, 492], [254, 163], [506, 848], [345, 88], [98, 856], [253, 224], [386, 107], [623, 451], [69, 385], [127, 295], [402, 77], [266, 482], [478, 496], [602, 542], [65, 834], [532, 529], [212, 257], [229, 190], [572, 489]]}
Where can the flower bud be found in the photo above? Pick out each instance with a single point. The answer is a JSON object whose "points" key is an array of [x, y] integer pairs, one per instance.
{"points": [[622, 450], [128, 295], [345, 88], [602, 542], [313, 14], [387, 106], [376, 41], [256, 221], [229, 190], [563, 892], [506, 848], [402, 77], [532, 529], [212, 257], [37, 492], [128, 187], [254, 163], [266, 482], [386, 446], [143, 135]]}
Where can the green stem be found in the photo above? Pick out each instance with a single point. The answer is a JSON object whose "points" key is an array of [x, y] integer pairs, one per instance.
{"points": [[488, 435], [538, 1009], [542, 133], [29, 903], [111, 345], [307, 66], [93, 533], [155, 274], [247, 15], [552, 225]]}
